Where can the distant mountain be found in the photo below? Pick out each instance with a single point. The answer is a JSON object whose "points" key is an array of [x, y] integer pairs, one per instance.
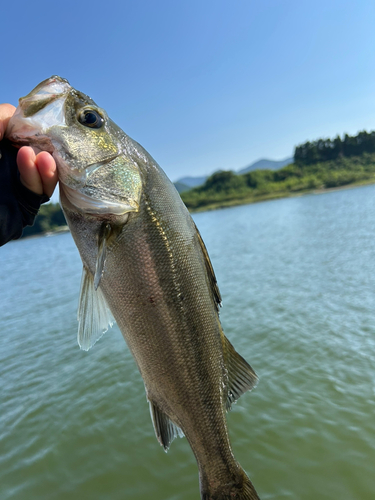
{"points": [[266, 165], [192, 181], [181, 187], [189, 182]]}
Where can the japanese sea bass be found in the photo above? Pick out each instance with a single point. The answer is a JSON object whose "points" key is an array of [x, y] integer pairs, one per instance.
{"points": [[145, 266]]}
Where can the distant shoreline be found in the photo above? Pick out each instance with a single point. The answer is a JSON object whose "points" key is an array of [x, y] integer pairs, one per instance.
{"points": [[276, 196], [46, 234]]}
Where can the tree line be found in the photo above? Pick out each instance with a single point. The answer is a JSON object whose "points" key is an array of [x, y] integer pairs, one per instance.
{"points": [[49, 219], [332, 149], [225, 188]]}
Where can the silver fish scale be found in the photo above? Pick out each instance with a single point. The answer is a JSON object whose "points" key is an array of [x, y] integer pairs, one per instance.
{"points": [[168, 319]]}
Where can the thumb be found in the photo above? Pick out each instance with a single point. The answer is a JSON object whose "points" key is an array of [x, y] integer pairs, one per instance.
{"points": [[6, 111]]}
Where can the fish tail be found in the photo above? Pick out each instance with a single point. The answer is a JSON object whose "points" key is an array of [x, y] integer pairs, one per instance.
{"points": [[239, 488]]}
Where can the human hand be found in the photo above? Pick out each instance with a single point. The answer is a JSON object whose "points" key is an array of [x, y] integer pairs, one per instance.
{"points": [[37, 172]]}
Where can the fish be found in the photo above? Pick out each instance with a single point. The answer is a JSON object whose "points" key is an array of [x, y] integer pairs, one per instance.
{"points": [[145, 267]]}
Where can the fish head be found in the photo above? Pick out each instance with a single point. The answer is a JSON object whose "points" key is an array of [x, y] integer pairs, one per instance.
{"points": [[96, 175]]}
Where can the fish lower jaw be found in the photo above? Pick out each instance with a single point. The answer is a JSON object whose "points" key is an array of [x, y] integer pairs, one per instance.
{"points": [[37, 142]]}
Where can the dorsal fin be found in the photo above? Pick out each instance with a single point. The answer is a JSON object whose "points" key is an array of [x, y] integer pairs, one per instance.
{"points": [[210, 272], [241, 377]]}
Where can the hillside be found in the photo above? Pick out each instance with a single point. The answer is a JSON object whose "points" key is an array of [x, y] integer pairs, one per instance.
{"points": [[227, 188], [263, 164], [266, 165], [181, 187], [191, 181]]}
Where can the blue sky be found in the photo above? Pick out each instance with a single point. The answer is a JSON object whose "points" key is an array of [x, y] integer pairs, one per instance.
{"points": [[203, 85]]}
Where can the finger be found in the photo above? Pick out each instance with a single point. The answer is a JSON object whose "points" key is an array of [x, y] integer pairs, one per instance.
{"points": [[6, 111], [46, 166], [29, 173]]}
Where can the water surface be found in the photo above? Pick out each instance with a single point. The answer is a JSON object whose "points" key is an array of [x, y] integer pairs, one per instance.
{"points": [[297, 278]]}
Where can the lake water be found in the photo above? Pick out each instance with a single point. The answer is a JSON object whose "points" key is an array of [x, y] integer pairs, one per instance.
{"points": [[297, 278]]}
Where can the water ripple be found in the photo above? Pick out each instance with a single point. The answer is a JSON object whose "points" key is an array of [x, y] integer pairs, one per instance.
{"points": [[297, 279]]}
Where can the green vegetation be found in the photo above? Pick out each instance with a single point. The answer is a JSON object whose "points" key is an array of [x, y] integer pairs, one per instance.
{"points": [[322, 164], [49, 219], [327, 149]]}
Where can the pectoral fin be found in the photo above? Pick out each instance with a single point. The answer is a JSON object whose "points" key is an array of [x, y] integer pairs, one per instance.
{"points": [[102, 253], [94, 316], [106, 237], [241, 377], [165, 429]]}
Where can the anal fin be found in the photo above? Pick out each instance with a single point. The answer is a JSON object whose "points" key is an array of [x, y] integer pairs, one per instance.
{"points": [[241, 377], [165, 429], [94, 316]]}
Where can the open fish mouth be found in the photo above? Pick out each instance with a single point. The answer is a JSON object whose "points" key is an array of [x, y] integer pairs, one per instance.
{"points": [[38, 111], [46, 92]]}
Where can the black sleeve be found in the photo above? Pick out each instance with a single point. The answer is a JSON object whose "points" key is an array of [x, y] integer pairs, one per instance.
{"points": [[18, 205]]}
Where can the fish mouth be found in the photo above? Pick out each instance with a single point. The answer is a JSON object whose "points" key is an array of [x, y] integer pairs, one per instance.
{"points": [[43, 94], [38, 111]]}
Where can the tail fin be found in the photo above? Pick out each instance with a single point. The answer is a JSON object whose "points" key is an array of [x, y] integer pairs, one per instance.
{"points": [[239, 489]]}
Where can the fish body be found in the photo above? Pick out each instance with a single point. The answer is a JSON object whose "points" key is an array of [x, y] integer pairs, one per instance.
{"points": [[145, 266]]}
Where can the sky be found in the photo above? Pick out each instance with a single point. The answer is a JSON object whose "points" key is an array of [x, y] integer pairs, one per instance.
{"points": [[203, 85]]}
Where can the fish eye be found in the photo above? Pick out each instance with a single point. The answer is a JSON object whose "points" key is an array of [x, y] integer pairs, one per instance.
{"points": [[90, 118]]}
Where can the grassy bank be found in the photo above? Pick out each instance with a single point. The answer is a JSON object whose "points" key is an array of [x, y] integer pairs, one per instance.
{"points": [[225, 188], [274, 196], [50, 219]]}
